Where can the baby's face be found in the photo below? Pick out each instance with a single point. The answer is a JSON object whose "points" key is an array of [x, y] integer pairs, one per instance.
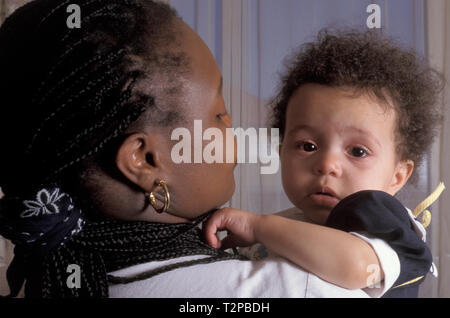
{"points": [[337, 143]]}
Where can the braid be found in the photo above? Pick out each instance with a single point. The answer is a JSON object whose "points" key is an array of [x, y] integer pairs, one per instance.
{"points": [[71, 47], [93, 15], [116, 133], [61, 5], [93, 278], [89, 63], [106, 246], [90, 92], [88, 131], [99, 60], [71, 99], [58, 63]]}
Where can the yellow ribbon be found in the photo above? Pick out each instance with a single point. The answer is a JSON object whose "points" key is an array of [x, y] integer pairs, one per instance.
{"points": [[409, 282], [426, 218]]}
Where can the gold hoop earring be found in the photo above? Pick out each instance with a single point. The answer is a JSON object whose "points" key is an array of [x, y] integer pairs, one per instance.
{"points": [[152, 198]]}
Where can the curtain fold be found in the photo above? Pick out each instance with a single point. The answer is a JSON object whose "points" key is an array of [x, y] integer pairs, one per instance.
{"points": [[438, 52]]}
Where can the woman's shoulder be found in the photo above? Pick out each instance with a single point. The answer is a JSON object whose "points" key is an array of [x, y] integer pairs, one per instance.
{"points": [[228, 278], [271, 277]]}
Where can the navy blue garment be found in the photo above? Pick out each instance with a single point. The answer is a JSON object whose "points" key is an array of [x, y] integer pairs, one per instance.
{"points": [[383, 216], [36, 226]]}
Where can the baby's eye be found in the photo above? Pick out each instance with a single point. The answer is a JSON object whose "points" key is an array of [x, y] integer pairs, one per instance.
{"points": [[307, 146], [358, 152]]}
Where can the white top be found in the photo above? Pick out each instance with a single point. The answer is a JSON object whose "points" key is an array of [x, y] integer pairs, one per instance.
{"points": [[272, 276]]}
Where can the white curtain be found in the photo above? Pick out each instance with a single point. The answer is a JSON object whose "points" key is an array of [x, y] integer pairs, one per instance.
{"points": [[438, 36]]}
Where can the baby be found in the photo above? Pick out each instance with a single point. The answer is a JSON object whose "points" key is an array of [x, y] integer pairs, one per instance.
{"points": [[356, 114]]}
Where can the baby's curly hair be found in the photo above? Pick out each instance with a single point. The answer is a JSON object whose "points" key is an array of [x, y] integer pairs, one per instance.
{"points": [[372, 64]]}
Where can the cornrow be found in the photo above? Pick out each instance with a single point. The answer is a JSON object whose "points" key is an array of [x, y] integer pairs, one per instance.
{"points": [[61, 5], [112, 113], [100, 92], [68, 34], [92, 15], [63, 55], [101, 59], [110, 82], [117, 132], [70, 99]]}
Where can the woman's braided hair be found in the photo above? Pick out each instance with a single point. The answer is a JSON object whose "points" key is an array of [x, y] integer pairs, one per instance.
{"points": [[107, 246], [72, 92], [69, 95]]}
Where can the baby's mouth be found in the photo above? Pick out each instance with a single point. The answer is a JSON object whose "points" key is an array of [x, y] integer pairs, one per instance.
{"points": [[324, 199], [325, 193]]}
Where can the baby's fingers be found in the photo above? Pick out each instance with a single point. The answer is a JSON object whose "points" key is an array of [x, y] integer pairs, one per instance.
{"points": [[212, 226]]}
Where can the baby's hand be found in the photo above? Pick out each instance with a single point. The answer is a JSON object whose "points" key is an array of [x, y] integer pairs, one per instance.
{"points": [[240, 224]]}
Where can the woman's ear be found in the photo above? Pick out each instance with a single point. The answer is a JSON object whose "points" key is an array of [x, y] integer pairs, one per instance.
{"points": [[138, 160], [402, 173]]}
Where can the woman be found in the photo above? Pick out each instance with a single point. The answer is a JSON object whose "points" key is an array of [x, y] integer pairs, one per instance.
{"points": [[86, 123]]}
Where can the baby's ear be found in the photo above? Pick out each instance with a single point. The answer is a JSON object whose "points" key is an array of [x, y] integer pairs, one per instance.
{"points": [[402, 173]]}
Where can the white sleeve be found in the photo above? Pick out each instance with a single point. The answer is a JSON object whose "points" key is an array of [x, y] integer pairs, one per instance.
{"points": [[389, 261]]}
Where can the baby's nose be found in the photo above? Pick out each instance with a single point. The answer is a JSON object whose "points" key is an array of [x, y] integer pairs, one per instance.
{"points": [[328, 164]]}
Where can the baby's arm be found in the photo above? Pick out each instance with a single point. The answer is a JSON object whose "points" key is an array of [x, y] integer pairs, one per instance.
{"points": [[333, 255]]}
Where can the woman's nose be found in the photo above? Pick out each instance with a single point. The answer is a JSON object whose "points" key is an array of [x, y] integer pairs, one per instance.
{"points": [[328, 164]]}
